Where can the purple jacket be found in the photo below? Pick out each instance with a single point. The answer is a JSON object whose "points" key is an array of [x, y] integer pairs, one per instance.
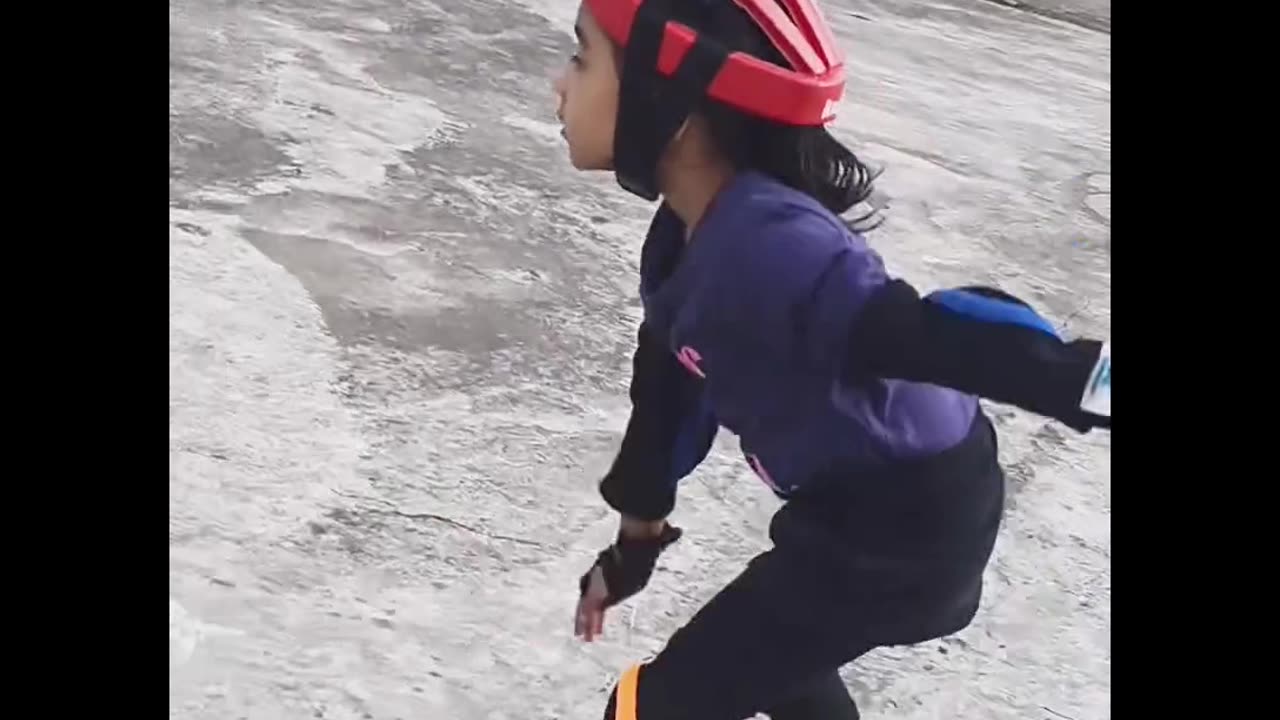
{"points": [[753, 317]]}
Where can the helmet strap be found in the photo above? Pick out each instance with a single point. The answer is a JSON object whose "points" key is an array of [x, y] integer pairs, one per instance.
{"points": [[651, 109]]}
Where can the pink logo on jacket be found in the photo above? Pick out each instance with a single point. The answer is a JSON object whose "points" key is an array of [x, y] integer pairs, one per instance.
{"points": [[690, 358]]}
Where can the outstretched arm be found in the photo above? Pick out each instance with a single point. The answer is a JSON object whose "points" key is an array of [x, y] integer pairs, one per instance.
{"points": [[985, 342]]}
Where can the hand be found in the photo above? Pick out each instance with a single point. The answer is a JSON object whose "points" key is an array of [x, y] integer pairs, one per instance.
{"points": [[588, 622], [620, 571]]}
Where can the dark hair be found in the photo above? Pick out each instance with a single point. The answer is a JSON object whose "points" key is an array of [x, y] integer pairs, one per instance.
{"points": [[807, 159]]}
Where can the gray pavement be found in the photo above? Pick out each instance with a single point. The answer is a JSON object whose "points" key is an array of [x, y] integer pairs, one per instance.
{"points": [[399, 339], [1093, 14]]}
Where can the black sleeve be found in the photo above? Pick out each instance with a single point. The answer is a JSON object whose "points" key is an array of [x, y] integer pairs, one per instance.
{"points": [[988, 344], [667, 435]]}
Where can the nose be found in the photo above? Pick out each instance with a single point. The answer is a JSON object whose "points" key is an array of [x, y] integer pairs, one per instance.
{"points": [[559, 84]]}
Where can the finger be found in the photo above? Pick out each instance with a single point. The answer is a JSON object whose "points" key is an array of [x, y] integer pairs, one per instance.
{"points": [[589, 618], [582, 616], [595, 620], [595, 624]]}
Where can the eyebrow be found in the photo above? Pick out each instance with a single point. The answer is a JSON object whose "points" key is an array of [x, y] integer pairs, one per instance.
{"points": [[582, 37]]}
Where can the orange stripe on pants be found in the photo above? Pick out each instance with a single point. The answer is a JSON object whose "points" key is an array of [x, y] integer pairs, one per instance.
{"points": [[625, 709]]}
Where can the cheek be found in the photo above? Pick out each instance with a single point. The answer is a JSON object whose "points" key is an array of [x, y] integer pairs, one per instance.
{"points": [[590, 112], [582, 110], [607, 111], [597, 109]]}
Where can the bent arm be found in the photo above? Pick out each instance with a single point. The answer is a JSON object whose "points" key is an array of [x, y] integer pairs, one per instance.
{"points": [[668, 434]]}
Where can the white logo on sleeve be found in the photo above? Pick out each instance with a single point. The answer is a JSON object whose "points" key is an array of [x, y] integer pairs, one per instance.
{"points": [[1097, 394]]}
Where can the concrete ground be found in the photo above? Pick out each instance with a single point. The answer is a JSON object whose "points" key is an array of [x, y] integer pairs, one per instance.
{"points": [[399, 338], [1093, 14]]}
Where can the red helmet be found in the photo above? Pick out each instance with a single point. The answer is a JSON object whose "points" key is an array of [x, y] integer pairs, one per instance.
{"points": [[693, 65]]}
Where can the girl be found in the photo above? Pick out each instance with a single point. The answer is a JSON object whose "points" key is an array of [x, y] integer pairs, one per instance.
{"points": [[766, 314]]}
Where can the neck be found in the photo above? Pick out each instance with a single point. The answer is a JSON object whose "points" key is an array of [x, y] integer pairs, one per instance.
{"points": [[688, 191]]}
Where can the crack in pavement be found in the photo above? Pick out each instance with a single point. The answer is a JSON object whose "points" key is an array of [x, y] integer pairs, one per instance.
{"points": [[392, 510]]}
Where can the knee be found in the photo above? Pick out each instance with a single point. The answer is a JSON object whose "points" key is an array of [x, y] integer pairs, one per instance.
{"points": [[655, 697]]}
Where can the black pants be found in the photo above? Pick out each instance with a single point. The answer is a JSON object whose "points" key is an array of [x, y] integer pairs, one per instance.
{"points": [[888, 558]]}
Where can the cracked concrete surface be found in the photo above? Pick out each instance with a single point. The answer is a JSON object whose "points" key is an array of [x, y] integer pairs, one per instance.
{"points": [[400, 328]]}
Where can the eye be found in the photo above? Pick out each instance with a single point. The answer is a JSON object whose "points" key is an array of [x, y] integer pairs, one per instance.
{"points": [[576, 59]]}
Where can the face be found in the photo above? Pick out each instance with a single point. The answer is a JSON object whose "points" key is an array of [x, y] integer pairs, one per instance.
{"points": [[588, 92]]}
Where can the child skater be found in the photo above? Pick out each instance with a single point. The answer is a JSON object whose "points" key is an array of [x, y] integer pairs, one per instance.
{"points": [[855, 399]]}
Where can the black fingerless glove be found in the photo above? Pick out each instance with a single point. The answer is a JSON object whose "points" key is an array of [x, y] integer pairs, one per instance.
{"points": [[628, 564]]}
